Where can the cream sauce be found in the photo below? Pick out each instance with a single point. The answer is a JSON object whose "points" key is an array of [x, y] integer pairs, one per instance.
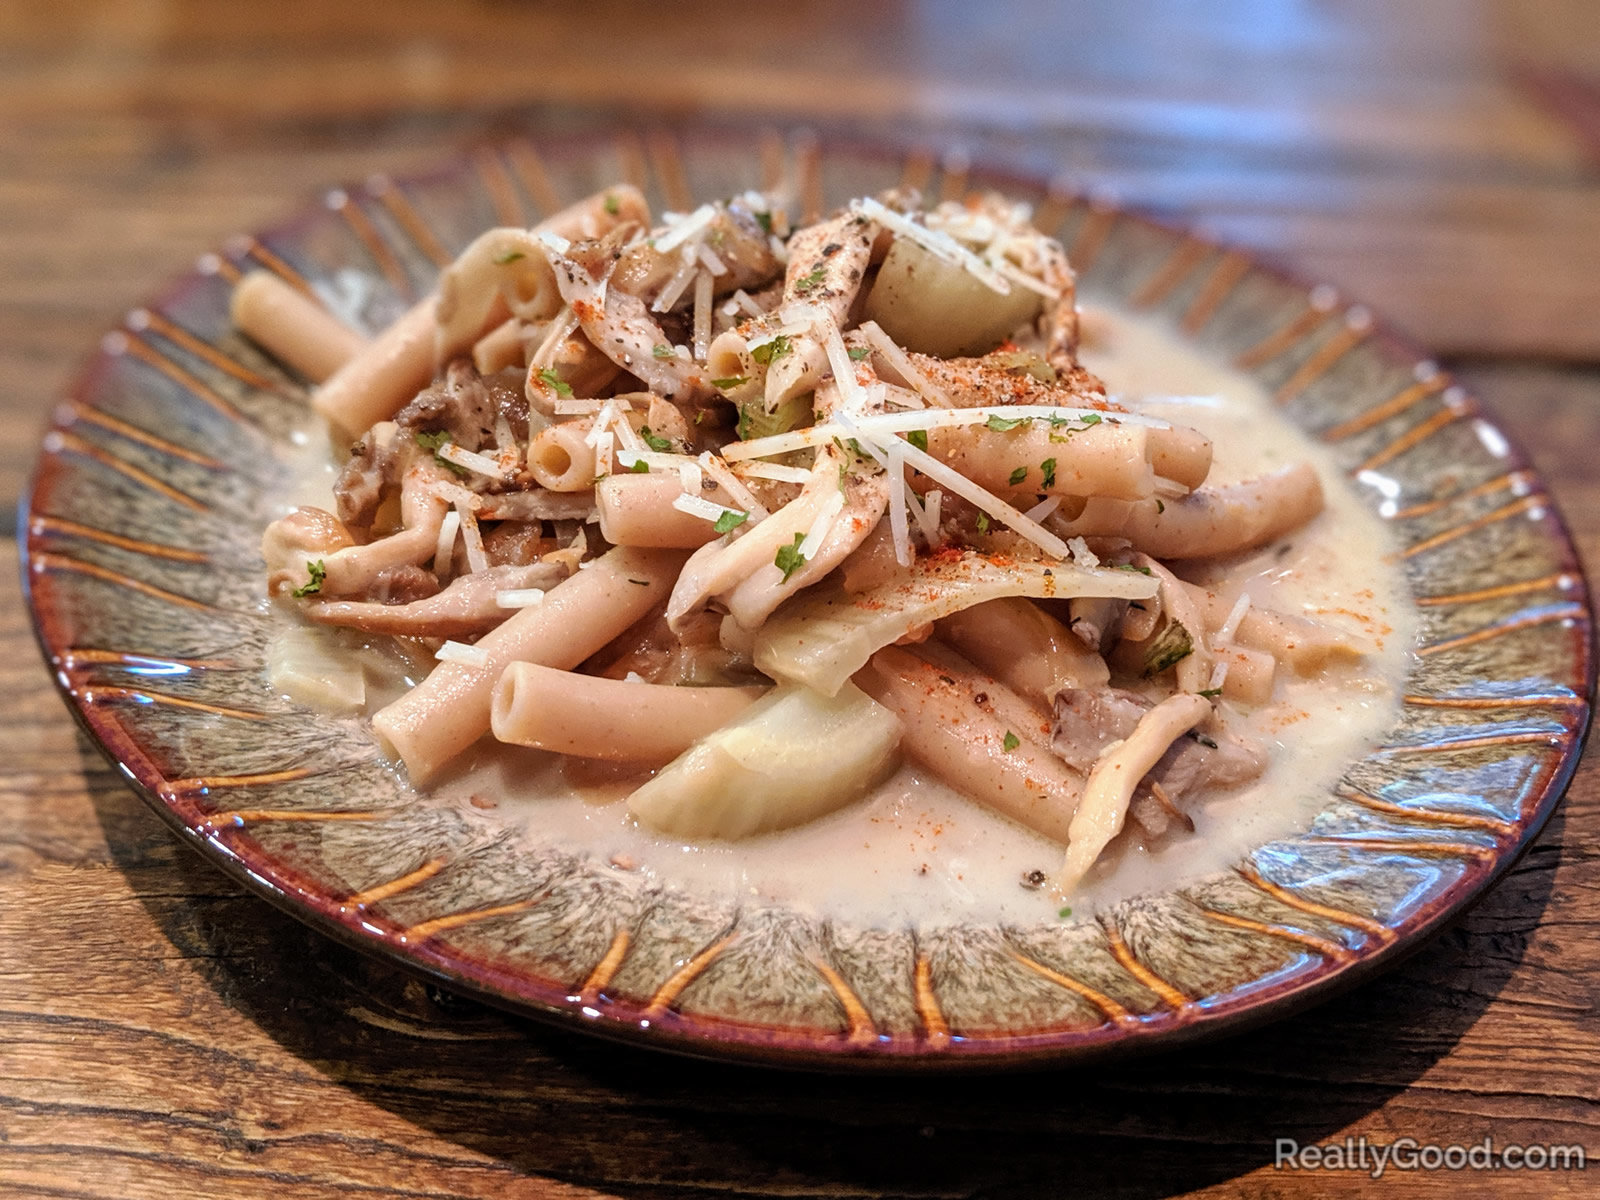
{"points": [[917, 850]]}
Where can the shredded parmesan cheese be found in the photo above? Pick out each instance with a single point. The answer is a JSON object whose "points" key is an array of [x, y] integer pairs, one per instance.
{"points": [[1081, 554], [1044, 508], [887, 423], [812, 542], [941, 245], [518, 597], [462, 654], [702, 314], [903, 366], [472, 461], [733, 485], [685, 227], [777, 471], [898, 532], [699, 506], [472, 539], [1236, 616], [444, 548]]}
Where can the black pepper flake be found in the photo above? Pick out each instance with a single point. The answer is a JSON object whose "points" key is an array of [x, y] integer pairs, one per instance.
{"points": [[1033, 880], [948, 680], [831, 249], [981, 698]]}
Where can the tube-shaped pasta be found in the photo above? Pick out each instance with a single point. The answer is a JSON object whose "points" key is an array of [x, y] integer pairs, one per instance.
{"points": [[559, 459], [373, 385], [1116, 773], [592, 717], [449, 710], [501, 347], [1210, 521], [1251, 673], [945, 730], [636, 510], [1180, 454], [292, 327], [1305, 644], [1025, 648], [1104, 460]]}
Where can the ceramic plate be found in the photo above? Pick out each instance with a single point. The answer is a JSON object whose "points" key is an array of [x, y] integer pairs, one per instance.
{"points": [[145, 584]]}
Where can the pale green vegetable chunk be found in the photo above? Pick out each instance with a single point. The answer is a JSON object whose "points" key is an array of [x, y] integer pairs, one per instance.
{"points": [[824, 637], [935, 307], [792, 757]]}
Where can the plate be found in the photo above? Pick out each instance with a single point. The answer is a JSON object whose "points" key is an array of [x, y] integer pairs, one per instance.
{"points": [[144, 580]]}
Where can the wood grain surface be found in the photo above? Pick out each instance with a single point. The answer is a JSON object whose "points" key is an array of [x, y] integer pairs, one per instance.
{"points": [[164, 1035]]}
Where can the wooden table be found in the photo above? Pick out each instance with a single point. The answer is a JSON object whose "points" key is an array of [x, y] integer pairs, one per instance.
{"points": [[164, 1035]]}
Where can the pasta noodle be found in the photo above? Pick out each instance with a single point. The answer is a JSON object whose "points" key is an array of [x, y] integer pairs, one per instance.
{"points": [[681, 494]]}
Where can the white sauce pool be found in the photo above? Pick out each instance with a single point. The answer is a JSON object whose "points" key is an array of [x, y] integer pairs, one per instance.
{"points": [[915, 849]]}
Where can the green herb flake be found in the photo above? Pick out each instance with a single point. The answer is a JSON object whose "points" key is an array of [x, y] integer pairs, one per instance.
{"points": [[770, 352], [509, 257], [730, 520], [1169, 647], [1064, 913], [918, 438], [1210, 693], [983, 522], [1010, 742], [807, 282], [859, 353], [657, 443], [764, 219], [1018, 475], [318, 573], [553, 381], [433, 441], [788, 559], [730, 382], [1133, 567], [1089, 419], [1048, 469], [640, 467], [1160, 507], [661, 350], [1003, 424], [612, 205]]}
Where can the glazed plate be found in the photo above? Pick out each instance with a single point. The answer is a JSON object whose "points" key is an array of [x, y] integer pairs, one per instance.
{"points": [[162, 467]]}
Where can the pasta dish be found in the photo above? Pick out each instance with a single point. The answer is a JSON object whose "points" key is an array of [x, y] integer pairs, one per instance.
{"points": [[756, 515]]}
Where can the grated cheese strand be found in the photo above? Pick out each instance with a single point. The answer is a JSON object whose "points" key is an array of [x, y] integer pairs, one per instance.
{"points": [[463, 654], [518, 597], [472, 461], [898, 532], [444, 548], [941, 245]]}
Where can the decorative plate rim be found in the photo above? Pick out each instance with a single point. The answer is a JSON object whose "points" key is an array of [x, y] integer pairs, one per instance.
{"points": [[702, 1035]]}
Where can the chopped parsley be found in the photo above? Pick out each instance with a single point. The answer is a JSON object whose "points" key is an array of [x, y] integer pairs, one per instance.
{"points": [[1048, 469], [612, 205], [553, 381], [806, 282], [661, 350], [1010, 742], [1024, 362], [1160, 507], [983, 522], [788, 559], [1132, 567], [318, 573], [730, 520], [770, 352], [1210, 693], [509, 257], [433, 441], [1169, 647], [1003, 424], [918, 438], [640, 467], [1065, 912], [655, 442], [1090, 419], [764, 219], [1018, 475], [858, 353], [732, 381]]}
